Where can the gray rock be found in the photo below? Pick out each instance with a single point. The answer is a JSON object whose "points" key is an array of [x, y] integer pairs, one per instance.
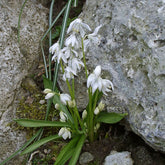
{"points": [[122, 158], [86, 158], [132, 56], [16, 62]]}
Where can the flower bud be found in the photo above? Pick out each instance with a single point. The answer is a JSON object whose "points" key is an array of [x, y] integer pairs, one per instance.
{"points": [[101, 106], [96, 111], [72, 103], [84, 114], [46, 91], [57, 106], [97, 126]]}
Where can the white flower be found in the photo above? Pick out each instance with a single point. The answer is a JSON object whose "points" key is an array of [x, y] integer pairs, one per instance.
{"points": [[69, 73], [49, 95], [107, 86], [65, 133], [60, 55], [84, 114], [63, 116], [92, 38], [78, 26], [65, 98], [72, 41], [69, 52], [96, 82], [96, 111], [75, 64], [54, 48]]}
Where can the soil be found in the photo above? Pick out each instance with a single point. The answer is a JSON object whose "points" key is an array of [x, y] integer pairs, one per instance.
{"points": [[111, 137]]}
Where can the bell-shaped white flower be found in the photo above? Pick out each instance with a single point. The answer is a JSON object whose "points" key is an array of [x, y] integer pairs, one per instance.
{"points": [[65, 98], [55, 48], [65, 133], [75, 64], [72, 41], [107, 86], [60, 55], [63, 116], [69, 52], [93, 38], [96, 82], [79, 27], [69, 73]]}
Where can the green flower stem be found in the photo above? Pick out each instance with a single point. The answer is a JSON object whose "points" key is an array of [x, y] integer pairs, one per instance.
{"points": [[50, 37], [73, 88], [95, 100], [75, 108], [62, 35], [85, 66], [90, 118]]}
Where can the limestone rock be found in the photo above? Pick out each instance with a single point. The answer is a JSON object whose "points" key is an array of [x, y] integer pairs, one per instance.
{"points": [[132, 56], [86, 158], [16, 62], [122, 158]]}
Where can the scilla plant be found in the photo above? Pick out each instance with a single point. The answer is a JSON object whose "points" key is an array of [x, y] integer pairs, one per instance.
{"points": [[74, 125]]}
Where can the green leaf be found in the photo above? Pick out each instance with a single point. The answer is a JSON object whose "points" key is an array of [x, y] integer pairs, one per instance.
{"points": [[66, 149], [77, 151], [56, 34], [47, 83], [39, 143], [67, 156], [110, 118], [41, 123]]}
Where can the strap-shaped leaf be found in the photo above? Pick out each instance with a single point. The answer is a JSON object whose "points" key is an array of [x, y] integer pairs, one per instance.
{"points": [[66, 149], [110, 118], [41, 123], [39, 143], [67, 156], [47, 83], [77, 151]]}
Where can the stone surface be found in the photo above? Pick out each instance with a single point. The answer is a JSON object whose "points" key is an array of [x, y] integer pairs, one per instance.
{"points": [[86, 158], [115, 158], [16, 62], [132, 56]]}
